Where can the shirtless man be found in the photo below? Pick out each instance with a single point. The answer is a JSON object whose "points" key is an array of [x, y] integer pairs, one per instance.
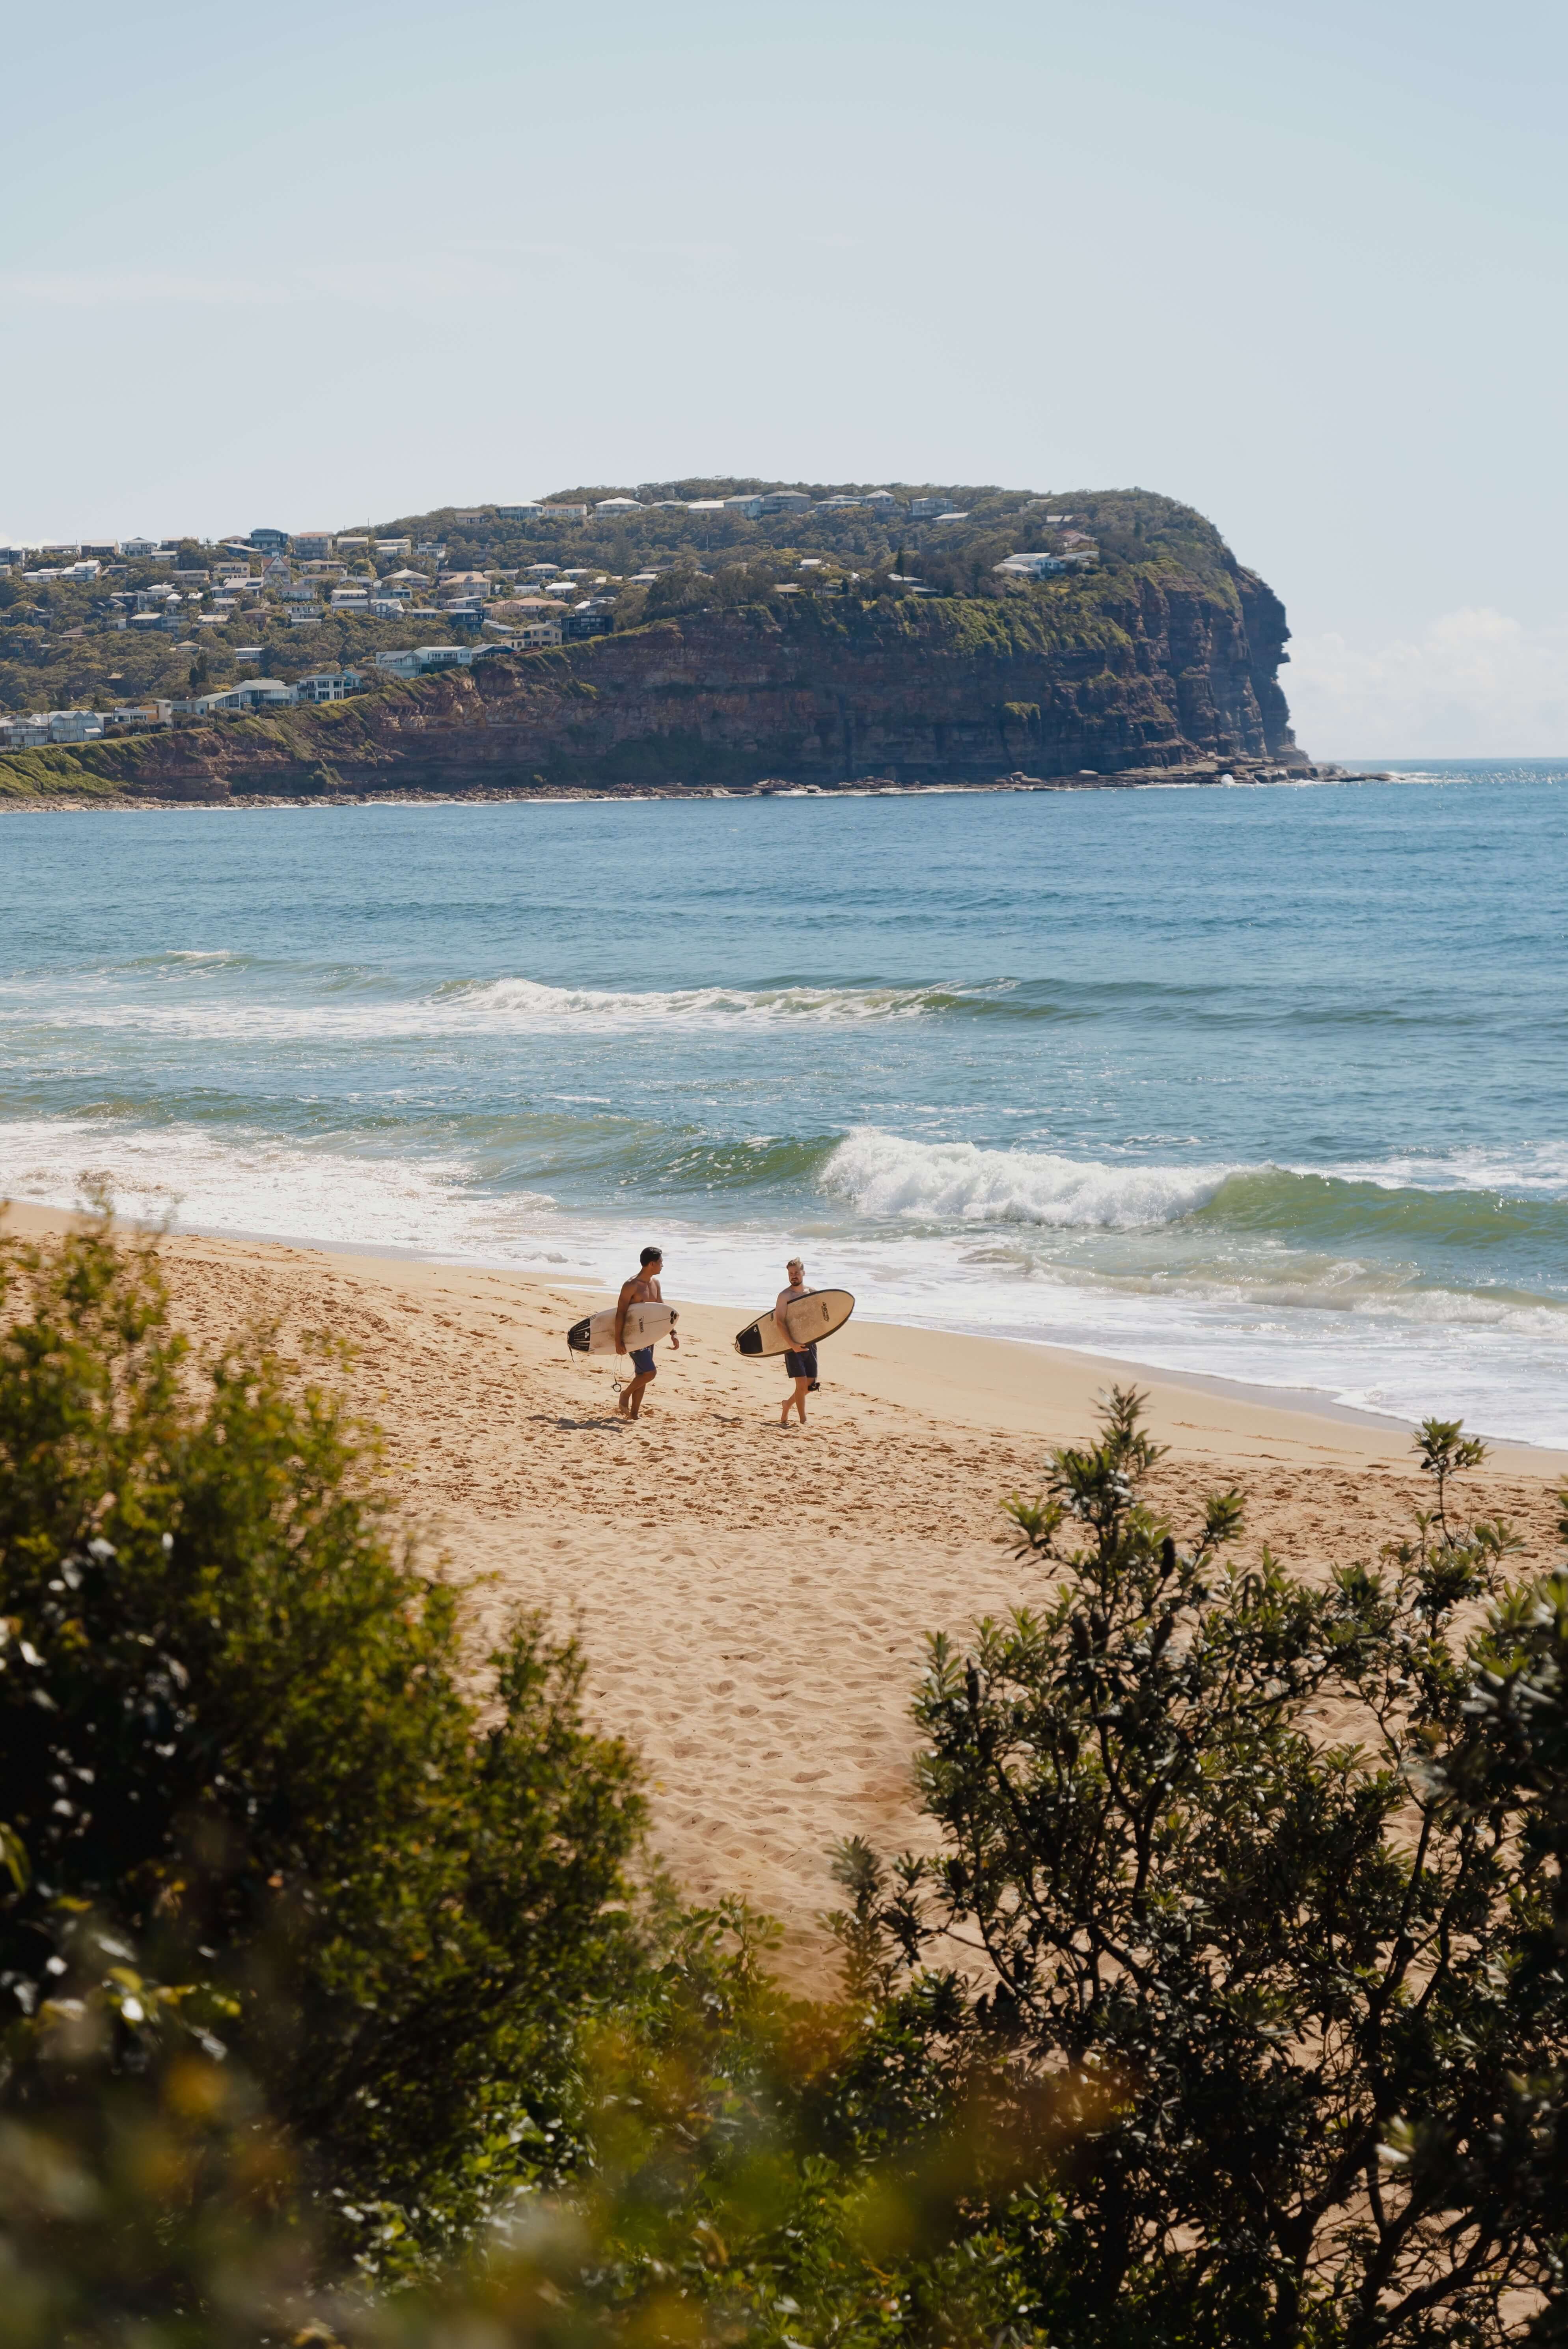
{"points": [[799, 1362], [642, 1288]]}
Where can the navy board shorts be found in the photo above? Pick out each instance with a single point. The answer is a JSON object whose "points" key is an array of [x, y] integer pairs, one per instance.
{"points": [[642, 1362], [801, 1361]]}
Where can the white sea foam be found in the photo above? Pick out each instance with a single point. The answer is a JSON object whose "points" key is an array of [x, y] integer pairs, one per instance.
{"points": [[259, 1184], [489, 1008], [505, 1002], [885, 1174], [1501, 1363], [1538, 1169]]}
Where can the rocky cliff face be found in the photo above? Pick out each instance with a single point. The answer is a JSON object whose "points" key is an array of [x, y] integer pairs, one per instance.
{"points": [[1142, 672]]}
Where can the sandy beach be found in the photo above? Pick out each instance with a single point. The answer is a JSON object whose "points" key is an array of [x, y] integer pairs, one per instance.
{"points": [[753, 1602]]}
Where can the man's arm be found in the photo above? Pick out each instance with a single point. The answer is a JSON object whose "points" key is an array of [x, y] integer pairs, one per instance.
{"points": [[785, 1296], [622, 1306]]}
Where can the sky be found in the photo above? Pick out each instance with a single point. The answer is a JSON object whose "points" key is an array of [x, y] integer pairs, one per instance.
{"points": [[1300, 265]]}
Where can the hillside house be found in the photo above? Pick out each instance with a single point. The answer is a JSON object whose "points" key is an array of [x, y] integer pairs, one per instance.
{"points": [[423, 657], [534, 636], [137, 717], [28, 732], [253, 693], [330, 685]]}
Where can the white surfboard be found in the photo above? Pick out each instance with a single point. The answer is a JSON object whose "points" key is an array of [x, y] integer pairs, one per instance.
{"points": [[645, 1325], [809, 1317]]}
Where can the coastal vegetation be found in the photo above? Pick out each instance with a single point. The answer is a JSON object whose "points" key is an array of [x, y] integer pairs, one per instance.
{"points": [[345, 2000]]}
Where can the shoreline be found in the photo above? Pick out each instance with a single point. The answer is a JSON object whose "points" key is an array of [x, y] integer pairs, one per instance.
{"points": [[754, 1603], [1142, 780], [1057, 1369]]}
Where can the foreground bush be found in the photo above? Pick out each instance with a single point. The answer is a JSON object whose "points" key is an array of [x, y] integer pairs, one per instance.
{"points": [[240, 1743], [1265, 1882], [1231, 2010]]}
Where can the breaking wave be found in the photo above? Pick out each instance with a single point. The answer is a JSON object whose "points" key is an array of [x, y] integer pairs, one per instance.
{"points": [[530, 1003], [883, 1175]]}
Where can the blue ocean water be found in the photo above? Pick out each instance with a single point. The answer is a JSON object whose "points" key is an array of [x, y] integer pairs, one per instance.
{"points": [[1263, 1082]]}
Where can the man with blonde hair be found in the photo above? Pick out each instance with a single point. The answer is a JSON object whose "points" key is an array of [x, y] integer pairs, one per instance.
{"points": [[800, 1361]]}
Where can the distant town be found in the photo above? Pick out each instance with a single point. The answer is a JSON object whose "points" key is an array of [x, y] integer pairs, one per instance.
{"points": [[234, 605]]}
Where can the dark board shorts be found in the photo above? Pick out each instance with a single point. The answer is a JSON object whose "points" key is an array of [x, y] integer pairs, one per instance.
{"points": [[801, 1363], [642, 1361]]}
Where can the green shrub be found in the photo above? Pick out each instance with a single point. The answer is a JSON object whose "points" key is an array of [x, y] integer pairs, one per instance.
{"points": [[1264, 1883], [240, 1732]]}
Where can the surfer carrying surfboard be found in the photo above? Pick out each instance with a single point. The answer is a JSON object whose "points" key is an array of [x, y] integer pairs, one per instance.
{"points": [[800, 1361], [642, 1288]]}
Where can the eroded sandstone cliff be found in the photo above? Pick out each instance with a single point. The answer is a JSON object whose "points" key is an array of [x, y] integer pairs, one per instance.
{"points": [[1145, 669]]}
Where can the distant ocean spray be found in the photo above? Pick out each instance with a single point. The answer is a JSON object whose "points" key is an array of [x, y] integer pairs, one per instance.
{"points": [[1264, 1083]]}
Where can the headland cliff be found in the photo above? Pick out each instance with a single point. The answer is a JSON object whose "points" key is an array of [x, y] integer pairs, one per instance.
{"points": [[1158, 657]]}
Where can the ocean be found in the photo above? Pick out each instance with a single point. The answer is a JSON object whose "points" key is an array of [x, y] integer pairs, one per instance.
{"points": [[1264, 1083]]}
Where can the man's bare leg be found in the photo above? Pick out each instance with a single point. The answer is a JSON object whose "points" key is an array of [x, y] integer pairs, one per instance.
{"points": [[630, 1405], [802, 1388]]}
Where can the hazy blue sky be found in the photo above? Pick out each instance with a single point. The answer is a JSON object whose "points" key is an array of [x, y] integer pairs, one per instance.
{"points": [[1303, 265]]}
